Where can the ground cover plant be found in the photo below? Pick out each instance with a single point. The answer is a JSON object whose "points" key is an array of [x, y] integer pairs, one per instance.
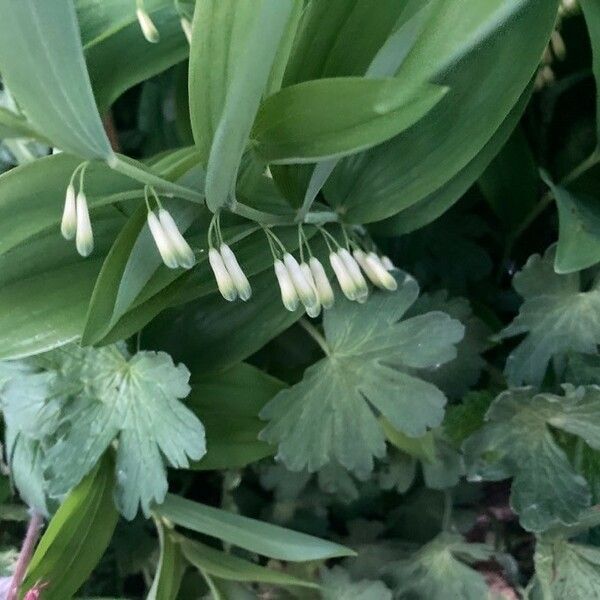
{"points": [[300, 299]]}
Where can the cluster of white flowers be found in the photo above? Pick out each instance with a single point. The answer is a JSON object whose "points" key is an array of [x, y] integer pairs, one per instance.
{"points": [[76, 217], [231, 280]]}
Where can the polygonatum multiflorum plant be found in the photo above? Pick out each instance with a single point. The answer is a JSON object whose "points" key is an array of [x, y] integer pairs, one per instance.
{"points": [[300, 299]]}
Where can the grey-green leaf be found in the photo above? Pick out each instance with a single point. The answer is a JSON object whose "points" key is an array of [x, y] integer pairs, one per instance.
{"points": [[42, 63]]}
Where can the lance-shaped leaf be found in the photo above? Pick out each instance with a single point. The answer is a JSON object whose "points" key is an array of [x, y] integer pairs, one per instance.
{"points": [[440, 570], [518, 442], [370, 366], [77, 536], [233, 48], [330, 118], [557, 316], [42, 63], [136, 399]]}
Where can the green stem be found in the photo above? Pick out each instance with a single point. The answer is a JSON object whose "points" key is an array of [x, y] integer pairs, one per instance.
{"points": [[315, 335], [447, 516], [143, 176]]}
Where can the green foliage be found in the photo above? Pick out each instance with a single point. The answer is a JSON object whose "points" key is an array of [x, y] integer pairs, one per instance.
{"points": [[318, 247], [558, 317], [370, 354]]}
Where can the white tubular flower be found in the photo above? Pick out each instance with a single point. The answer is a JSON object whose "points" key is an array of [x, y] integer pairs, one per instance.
{"points": [[386, 280], [306, 292], [242, 285], [163, 242], [187, 28], [387, 263], [289, 296], [84, 238], [147, 26], [361, 259], [324, 290], [185, 255], [224, 281], [362, 290], [344, 279], [68, 226], [311, 311]]}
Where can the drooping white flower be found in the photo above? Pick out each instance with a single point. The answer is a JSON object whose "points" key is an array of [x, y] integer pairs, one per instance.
{"points": [[68, 226], [147, 26], [362, 290], [305, 291], [289, 296], [163, 243], [324, 289], [344, 278], [374, 270], [311, 311], [187, 28], [387, 263], [185, 255], [84, 238], [386, 280], [242, 285], [224, 281]]}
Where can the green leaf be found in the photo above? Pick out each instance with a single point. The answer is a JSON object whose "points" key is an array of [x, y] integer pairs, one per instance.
{"points": [[438, 571], [13, 125], [170, 568], [510, 182], [557, 316], [136, 399], [591, 11], [233, 49], [337, 585], [462, 420], [228, 404], [45, 287], [230, 567], [108, 27], [482, 47], [41, 60], [32, 196], [579, 229], [77, 536], [518, 442], [436, 203], [262, 538], [567, 570], [330, 118], [456, 377], [211, 334], [372, 357]]}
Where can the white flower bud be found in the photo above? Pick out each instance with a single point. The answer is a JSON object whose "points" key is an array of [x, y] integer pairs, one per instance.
{"points": [[289, 296], [306, 293], [344, 279], [324, 289], [187, 28], [185, 255], [224, 281], [163, 243], [386, 280], [242, 285], [387, 263], [147, 26], [362, 290], [68, 226], [311, 311], [84, 238]]}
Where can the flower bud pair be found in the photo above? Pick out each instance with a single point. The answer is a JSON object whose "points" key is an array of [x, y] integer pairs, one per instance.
{"points": [[172, 247], [76, 221], [348, 274], [375, 269], [231, 280]]}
